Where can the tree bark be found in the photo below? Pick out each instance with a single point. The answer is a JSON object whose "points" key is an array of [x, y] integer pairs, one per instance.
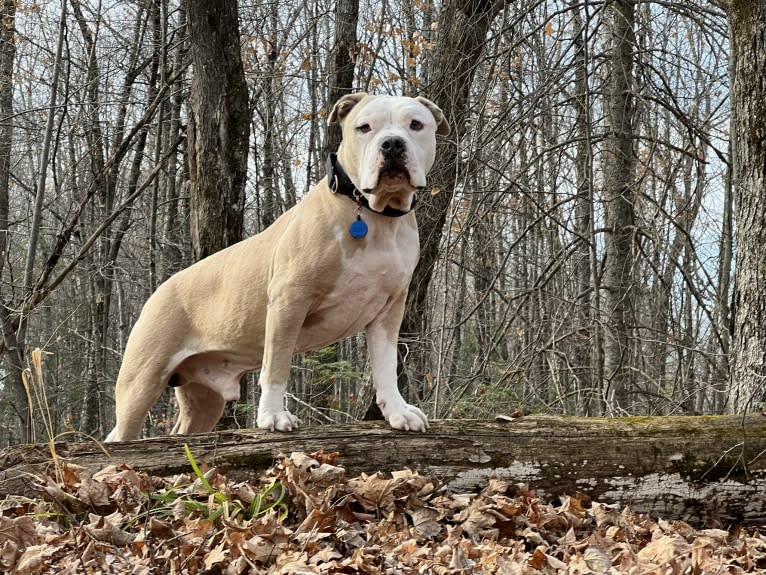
{"points": [[464, 25], [219, 127], [725, 259], [747, 25], [701, 469], [267, 189], [173, 226], [105, 180], [218, 133], [588, 332], [18, 354], [618, 197], [13, 361], [7, 58], [341, 64]]}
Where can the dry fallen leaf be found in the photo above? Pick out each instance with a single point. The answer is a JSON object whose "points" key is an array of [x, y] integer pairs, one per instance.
{"points": [[596, 559], [216, 555], [425, 521], [374, 492], [122, 520], [19, 530], [110, 533]]}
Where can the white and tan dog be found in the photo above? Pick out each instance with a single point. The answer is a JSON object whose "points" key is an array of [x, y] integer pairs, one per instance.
{"points": [[303, 283]]}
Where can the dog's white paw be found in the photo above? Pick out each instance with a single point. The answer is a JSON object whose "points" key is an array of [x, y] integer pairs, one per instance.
{"points": [[407, 418], [279, 421]]}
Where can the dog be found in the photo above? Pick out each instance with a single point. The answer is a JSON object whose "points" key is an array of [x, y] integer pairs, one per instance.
{"points": [[339, 262]]}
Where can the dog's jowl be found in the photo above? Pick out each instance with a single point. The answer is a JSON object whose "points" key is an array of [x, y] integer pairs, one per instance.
{"points": [[353, 238]]}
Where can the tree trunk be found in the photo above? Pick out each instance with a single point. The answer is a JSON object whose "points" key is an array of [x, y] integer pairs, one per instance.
{"points": [[37, 214], [18, 354], [104, 182], [464, 26], [218, 133], [696, 468], [341, 64], [747, 23], [268, 187], [173, 227], [725, 258], [219, 127], [105, 179], [7, 58], [13, 362], [588, 332], [618, 190]]}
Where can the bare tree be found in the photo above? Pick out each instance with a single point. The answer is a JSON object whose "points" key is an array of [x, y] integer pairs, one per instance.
{"points": [[619, 205], [105, 178], [747, 22], [20, 329], [7, 56], [341, 64], [463, 33], [219, 126], [588, 334], [219, 131], [13, 360]]}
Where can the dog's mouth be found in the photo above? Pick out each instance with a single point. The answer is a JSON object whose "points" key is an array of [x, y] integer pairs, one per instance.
{"points": [[394, 189], [393, 176]]}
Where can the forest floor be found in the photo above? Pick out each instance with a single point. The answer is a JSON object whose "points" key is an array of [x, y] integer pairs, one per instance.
{"points": [[305, 516]]}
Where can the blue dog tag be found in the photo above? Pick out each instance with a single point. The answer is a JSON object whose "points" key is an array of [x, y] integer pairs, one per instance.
{"points": [[358, 229]]}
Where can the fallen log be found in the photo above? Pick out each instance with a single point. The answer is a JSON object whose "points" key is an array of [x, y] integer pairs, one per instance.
{"points": [[709, 469]]}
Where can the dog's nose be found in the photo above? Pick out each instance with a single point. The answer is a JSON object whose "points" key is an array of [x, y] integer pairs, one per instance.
{"points": [[392, 146]]}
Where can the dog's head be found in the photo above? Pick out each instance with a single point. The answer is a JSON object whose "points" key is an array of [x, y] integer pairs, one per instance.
{"points": [[389, 144]]}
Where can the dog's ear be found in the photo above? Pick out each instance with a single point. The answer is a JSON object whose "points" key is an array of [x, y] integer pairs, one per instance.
{"points": [[343, 106], [442, 126]]}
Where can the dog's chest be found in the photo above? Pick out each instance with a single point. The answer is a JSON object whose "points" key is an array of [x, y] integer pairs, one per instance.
{"points": [[376, 275], [385, 258], [372, 274]]}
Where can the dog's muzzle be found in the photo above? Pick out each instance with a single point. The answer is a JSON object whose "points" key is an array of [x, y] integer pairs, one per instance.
{"points": [[394, 165]]}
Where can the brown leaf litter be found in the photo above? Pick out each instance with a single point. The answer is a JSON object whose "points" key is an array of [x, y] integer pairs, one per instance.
{"points": [[304, 516]]}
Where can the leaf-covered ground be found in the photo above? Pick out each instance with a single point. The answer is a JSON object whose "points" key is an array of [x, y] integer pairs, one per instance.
{"points": [[305, 516]]}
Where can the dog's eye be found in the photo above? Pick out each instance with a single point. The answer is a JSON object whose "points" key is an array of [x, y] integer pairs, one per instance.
{"points": [[416, 125], [364, 128]]}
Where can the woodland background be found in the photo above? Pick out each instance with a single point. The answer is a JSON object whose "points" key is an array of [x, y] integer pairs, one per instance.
{"points": [[578, 244]]}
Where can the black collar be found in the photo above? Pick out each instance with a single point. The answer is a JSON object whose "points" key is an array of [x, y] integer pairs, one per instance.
{"points": [[339, 183]]}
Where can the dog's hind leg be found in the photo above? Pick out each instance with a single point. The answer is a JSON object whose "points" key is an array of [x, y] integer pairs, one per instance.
{"points": [[134, 397], [199, 408]]}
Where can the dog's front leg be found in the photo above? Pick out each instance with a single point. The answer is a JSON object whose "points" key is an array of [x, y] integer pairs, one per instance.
{"points": [[284, 319], [382, 335]]}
